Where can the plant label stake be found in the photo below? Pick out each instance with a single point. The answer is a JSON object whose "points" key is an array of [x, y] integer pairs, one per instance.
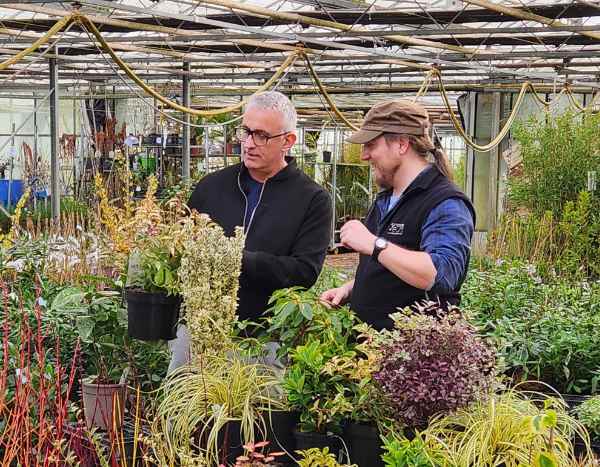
{"points": [[591, 180]]}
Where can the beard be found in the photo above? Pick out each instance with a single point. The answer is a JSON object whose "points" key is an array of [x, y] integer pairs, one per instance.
{"points": [[385, 181]]}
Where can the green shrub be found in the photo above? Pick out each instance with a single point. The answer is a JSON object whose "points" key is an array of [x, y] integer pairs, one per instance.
{"points": [[544, 329], [567, 245], [401, 452], [557, 155], [588, 413]]}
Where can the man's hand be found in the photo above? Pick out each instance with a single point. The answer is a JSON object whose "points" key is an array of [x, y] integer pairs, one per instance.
{"points": [[338, 296], [354, 234]]}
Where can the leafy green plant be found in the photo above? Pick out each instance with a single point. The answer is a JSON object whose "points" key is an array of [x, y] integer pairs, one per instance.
{"points": [[544, 329], [588, 413], [297, 315], [332, 363], [317, 395], [158, 269], [401, 452], [102, 327], [316, 457]]}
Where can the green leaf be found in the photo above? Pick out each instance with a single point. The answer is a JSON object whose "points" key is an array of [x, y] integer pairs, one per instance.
{"points": [[306, 311], [545, 459], [85, 327], [286, 311], [68, 299]]}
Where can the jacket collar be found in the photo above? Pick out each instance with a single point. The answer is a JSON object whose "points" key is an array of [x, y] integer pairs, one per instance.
{"points": [[288, 171]]}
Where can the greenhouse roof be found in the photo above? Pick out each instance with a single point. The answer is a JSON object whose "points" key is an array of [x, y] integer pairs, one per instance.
{"points": [[360, 50]]}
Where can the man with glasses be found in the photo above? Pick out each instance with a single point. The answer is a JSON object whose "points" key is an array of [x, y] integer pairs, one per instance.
{"points": [[286, 216]]}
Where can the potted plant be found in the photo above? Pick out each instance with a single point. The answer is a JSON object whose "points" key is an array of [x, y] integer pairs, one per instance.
{"points": [[509, 428], [402, 452], [432, 363], [317, 396], [313, 336], [370, 412], [319, 457], [104, 348], [153, 300], [153, 285], [217, 404]]}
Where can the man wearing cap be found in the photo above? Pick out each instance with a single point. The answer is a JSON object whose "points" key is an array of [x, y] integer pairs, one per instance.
{"points": [[414, 244]]}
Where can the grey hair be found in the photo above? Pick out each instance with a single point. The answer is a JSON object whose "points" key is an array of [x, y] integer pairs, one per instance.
{"points": [[274, 100]]}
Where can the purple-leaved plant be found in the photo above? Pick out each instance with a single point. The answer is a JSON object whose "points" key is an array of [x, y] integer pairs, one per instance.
{"points": [[433, 363]]}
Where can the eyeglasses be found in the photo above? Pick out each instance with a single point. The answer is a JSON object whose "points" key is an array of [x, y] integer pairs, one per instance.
{"points": [[259, 137]]}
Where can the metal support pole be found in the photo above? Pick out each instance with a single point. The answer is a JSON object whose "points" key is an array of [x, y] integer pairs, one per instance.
{"points": [[206, 149], [225, 146], [494, 156], [185, 151], [333, 166], [469, 182], [54, 138]]}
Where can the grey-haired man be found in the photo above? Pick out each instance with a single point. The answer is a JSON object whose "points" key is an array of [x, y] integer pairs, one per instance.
{"points": [[286, 216]]}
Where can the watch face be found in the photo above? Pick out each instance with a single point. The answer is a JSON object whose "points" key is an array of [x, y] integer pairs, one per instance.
{"points": [[380, 243]]}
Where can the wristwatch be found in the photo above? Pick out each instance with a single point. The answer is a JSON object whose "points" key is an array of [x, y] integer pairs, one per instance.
{"points": [[380, 244]]}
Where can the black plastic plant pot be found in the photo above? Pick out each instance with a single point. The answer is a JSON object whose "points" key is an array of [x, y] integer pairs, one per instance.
{"points": [[364, 444], [580, 449], [152, 316], [230, 442], [280, 433], [308, 440]]}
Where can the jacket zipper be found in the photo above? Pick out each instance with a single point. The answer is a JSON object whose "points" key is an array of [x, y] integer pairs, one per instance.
{"points": [[245, 198], [246, 206]]}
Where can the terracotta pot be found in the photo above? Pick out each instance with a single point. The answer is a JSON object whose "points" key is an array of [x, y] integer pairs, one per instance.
{"points": [[103, 404]]}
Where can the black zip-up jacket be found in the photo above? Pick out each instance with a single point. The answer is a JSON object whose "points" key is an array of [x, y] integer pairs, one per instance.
{"points": [[377, 292], [287, 237]]}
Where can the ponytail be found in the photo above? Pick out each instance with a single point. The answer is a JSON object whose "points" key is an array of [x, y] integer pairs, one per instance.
{"points": [[441, 162], [424, 146]]}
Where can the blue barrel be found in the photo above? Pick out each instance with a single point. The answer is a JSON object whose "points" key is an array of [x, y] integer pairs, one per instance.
{"points": [[16, 191]]}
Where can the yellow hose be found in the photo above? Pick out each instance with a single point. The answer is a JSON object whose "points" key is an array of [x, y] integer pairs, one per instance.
{"points": [[425, 86], [86, 22], [174, 105], [326, 95], [503, 132], [576, 104], [58, 26]]}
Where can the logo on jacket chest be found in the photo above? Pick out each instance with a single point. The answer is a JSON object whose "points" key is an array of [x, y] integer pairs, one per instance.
{"points": [[395, 229]]}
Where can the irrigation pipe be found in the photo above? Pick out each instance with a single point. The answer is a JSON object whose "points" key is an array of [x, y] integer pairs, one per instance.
{"points": [[38, 57], [169, 117], [326, 95], [174, 105], [503, 132], [58, 26]]}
